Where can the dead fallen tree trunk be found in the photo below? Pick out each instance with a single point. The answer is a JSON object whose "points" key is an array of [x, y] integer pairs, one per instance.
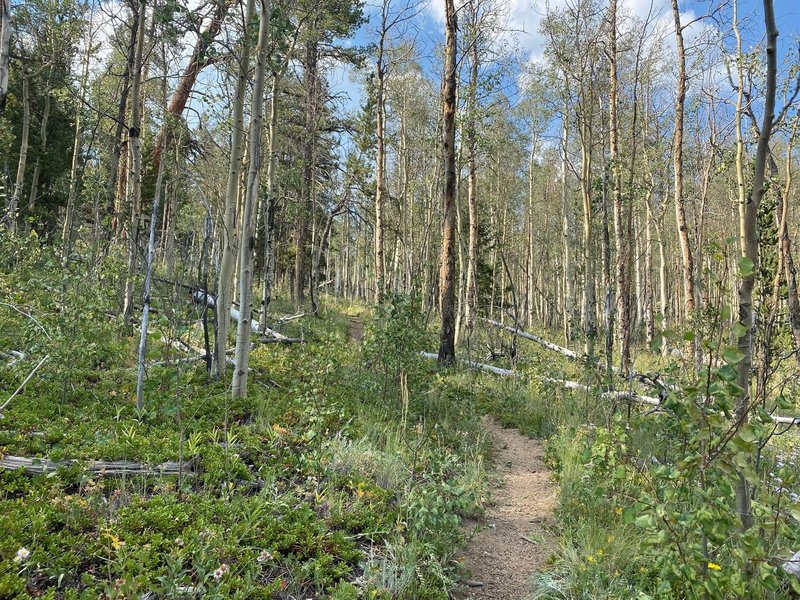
{"points": [[534, 338], [615, 395], [37, 466], [623, 395], [651, 381], [476, 365], [203, 297]]}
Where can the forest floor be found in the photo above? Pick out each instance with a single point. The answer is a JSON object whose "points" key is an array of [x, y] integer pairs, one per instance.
{"points": [[356, 330], [513, 540]]}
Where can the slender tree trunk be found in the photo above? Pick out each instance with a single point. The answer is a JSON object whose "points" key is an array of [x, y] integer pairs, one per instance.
{"points": [[380, 160], [5, 47], [148, 278], [622, 268], [13, 207], [677, 165], [244, 328], [134, 188], [309, 141], [119, 155], [447, 349], [649, 316], [472, 177], [37, 167], [570, 241], [229, 241], [751, 249], [269, 217], [66, 232], [589, 302]]}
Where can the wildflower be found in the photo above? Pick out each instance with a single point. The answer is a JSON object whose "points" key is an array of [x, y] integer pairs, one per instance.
{"points": [[714, 566], [179, 542], [224, 567], [590, 558], [264, 556], [22, 555], [618, 511], [218, 573]]}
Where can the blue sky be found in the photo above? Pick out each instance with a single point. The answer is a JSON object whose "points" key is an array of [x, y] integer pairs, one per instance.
{"points": [[524, 17]]}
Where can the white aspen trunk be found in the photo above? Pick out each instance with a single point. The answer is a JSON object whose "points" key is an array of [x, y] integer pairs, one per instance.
{"points": [[13, 207], [5, 47], [269, 225], [134, 186], [570, 240], [243, 330], [66, 232], [148, 278], [37, 167], [232, 187]]}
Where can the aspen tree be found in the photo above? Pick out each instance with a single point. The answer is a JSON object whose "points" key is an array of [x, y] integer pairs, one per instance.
{"points": [[247, 234], [225, 278]]}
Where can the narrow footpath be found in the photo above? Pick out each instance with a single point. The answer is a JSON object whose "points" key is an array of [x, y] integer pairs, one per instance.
{"points": [[513, 540]]}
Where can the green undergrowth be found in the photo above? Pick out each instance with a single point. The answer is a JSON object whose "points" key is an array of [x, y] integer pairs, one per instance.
{"points": [[345, 473]]}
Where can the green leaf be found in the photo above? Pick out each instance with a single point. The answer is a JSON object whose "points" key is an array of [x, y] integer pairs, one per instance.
{"points": [[732, 355], [748, 433], [645, 521], [746, 266], [725, 313], [738, 330]]}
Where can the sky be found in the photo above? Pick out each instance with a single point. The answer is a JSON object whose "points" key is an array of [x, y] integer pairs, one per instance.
{"points": [[524, 18]]}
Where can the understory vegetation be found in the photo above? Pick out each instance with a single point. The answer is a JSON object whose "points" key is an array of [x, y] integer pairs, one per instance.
{"points": [[348, 469]]}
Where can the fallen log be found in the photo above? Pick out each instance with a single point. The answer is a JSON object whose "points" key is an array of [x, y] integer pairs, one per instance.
{"points": [[271, 336], [15, 357], [623, 395], [476, 365], [535, 338], [22, 385], [617, 395], [38, 466], [648, 380]]}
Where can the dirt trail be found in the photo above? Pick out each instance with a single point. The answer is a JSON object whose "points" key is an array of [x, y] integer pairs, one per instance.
{"points": [[356, 330], [513, 541]]}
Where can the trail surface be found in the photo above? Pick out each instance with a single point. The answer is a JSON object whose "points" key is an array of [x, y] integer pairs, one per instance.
{"points": [[356, 330], [513, 541]]}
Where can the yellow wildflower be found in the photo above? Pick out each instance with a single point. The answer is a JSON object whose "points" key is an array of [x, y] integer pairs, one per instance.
{"points": [[714, 566]]}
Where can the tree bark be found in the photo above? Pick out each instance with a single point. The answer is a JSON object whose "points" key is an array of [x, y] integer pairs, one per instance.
{"points": [[5, 48], [229, 241], [749, 234], [677, 166], [13, 207], [447, 350], [623, 241], [148, 278], [269, 216], [134, 187], [471, 306], [180, 97], [37, 167], [310, 85], [380, 157], [116, 191], [66, 232], [243, 330]]}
